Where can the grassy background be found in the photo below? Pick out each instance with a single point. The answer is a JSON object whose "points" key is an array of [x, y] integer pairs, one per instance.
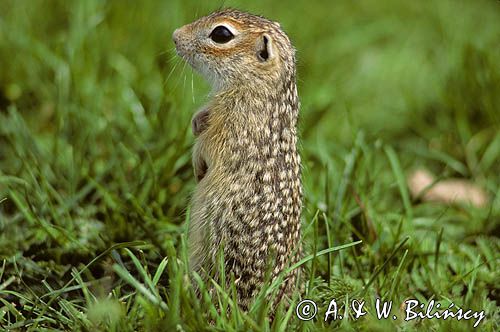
{"points": [[95, 145]]}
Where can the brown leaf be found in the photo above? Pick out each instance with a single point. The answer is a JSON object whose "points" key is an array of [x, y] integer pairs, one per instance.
{"points": [[423, 185]]}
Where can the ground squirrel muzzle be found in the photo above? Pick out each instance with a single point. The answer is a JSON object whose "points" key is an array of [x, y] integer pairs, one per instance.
{"points": [[248, 199]]}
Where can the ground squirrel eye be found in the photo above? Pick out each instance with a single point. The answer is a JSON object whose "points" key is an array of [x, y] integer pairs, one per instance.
{"points": [[221, 35]]}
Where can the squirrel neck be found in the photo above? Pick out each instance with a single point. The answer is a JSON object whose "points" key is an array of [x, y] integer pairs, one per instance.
{"points": [[261, 103]]}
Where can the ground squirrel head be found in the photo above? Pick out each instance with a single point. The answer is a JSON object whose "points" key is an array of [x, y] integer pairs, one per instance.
{"points": [[233, 48]]}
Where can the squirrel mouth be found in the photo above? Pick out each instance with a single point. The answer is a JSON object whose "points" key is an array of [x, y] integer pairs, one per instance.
{"points": [[189, 59], [184, 56]]}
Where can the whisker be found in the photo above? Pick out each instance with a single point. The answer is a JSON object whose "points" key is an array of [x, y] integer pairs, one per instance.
{"points": [[170, 74], [184, 83], [174, 55], [192, 87], [172, 50], [181, 75]]}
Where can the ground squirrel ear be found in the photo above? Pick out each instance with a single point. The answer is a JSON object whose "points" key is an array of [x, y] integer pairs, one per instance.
{"points": [[265, 48]]}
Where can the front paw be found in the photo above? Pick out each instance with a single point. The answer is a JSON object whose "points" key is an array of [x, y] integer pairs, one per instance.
{"points": [[200, 122], [200, 170]]}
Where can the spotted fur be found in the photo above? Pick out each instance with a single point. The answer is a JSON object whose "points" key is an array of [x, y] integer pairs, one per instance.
{"points": [[249, 196]]}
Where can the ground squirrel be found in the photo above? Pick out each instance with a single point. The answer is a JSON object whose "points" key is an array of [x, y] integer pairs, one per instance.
{"points": [[249, 195]]}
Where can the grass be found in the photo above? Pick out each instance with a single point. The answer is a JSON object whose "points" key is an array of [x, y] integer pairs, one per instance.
{"points": [[95, 173]]}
